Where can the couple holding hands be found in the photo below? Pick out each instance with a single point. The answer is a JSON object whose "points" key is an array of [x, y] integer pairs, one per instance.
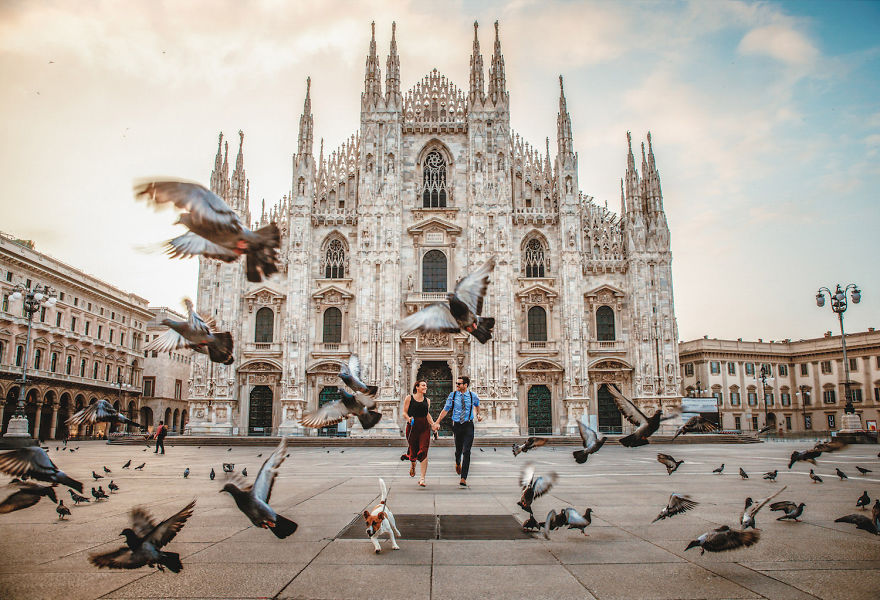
{"points": [[463, 405]]}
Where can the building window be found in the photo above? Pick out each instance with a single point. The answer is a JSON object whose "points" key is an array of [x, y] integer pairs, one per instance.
{"points": [[434, 272], [731, 368], [829, 396], [537, 318], [95, 370], [805, 369], [876, 389], [19, 356], [755, 422], [534, 259], [434, 181], [719, 397], [149, 386], [750, 369], [769, 400], [689, 369], [73, 324], [788, 422], [605, 324], [178, 389], [106, 372], [853, 365], [8, 275], [43, 314], [58, 320], [68, 366], [825, 366], [734, 399], [5, 302], [753, 399], [87, 327], [332, 326], [89, 306], [831, 424], [53, 362], [786, 399], [110, 337], [783, 370], [737, 423], [768, 370], [854, 394], [82, 368], [100, 329], [715, 367], [805, 398], [121, 339], [265, 326], [38, 358], [334, 260], [808, 422]]}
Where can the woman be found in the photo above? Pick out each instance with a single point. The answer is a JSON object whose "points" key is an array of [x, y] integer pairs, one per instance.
{"points": [[419, 425]]}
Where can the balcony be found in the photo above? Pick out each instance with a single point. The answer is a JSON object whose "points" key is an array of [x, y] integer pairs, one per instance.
{"points": [[607, 347], [262, 348], [542, 348], [45, 374], [330, 349], [534, 215]]}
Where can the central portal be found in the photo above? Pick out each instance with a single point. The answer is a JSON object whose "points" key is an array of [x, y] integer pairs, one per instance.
{"points": [[260, 411], [609, 416], [439, 377]]}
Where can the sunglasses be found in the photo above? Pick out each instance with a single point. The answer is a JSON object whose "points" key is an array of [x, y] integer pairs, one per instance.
{"points": [[459, 383]]}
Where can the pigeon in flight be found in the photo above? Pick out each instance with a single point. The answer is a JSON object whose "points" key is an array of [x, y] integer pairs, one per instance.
{"points": [[350, 374], [743, 474], [532, 442], [747, 516], [112, 487], [696, 424], [35, 463], [127, 465], [144, 541], [765, 429], [100, 412], [645, 426], [194, 334], [841, 474], [567, 516], [861, 522], [27, 495], [678, 503], [724, 538], [215, 231], [814, 477], [863, 471], [792, 511], [831, 445], [461, 311], [334, 412], [864, 500], [77, 498], [62, 510], [813, 453], [140, 467], [771, 475], [719, 470], [669, 462], [590, 440], [253, 500], [534, 486]]}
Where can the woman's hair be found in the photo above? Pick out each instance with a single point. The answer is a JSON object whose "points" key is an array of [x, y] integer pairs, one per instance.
{"points": [[416, 385]]}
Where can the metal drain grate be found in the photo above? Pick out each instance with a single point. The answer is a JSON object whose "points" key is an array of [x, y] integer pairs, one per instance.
{"points": [[445, 527]]}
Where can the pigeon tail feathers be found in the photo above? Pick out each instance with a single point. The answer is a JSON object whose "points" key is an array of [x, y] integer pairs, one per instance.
{"points": [[483, 332], [369, 419], [283, 527]]}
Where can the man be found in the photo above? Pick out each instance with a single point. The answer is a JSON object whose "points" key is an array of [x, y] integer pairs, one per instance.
{"points": [[161, 432], [465, 405]]}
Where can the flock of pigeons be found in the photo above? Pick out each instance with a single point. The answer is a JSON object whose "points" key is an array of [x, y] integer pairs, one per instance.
{"points": [[535, 484]]}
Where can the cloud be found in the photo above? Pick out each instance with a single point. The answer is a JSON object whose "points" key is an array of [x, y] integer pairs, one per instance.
{"points": [[780, 42]]}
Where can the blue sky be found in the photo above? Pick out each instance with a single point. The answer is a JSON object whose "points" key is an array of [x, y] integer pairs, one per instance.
{"points": [[764, 116]]}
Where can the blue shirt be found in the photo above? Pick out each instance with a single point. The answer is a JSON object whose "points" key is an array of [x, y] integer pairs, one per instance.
{"points": [[461, 405]]}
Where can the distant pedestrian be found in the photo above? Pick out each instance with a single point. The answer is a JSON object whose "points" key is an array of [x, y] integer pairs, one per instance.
{"points": [[418, 429], [464, 405], [161, 432]]}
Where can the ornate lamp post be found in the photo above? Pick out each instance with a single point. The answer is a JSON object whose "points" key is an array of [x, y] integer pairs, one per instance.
{"points": [[838, 305], [804, 395], [17, 432], [764, 375]]}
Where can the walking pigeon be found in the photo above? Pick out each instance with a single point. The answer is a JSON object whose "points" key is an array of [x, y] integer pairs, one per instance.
{"points": [[814, 477], [195, 334], [140, 467], [863, 501], [62, 510], [212, 474], [112, 487], [863, 471], [771, 475], [841, 474], [186, 473], [77, 498], [127, 465], [743, 474], [719, 470], [792, 511]]}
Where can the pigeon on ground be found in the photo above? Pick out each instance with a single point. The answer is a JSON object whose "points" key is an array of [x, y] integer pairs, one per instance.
{"points": [[532, 442], [229, 449], [244, 472], [553, 521], [332, 413], [140, 467], [106, 470], [127, 465], [77, 498], [100, 412], [534, 486], [747, 516], [194, 334], [771, 475], [461, 311], [27, 495], [215, 230], [645, 426], [186, 473], [724, 538], [144, 540], [35, 463], [861, 522], [695, 424], [841, 474], [212, 475], [863, 471], [253, 500], [112, 487], [814, 477], [145, 449], [743, 474], [566, 516], [719, 470], [96, 477], [792, 511], [590, 440], [678, 503], [864, 500], [669, 462], [260, 455], [62, 510], [350, 374], [98, 494]]}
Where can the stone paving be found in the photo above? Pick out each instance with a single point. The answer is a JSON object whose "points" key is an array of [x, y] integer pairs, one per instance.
{"points": [[624, 556]]}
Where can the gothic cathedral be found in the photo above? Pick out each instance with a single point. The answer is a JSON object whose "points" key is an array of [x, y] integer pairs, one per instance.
{"points": [[432, 184]]}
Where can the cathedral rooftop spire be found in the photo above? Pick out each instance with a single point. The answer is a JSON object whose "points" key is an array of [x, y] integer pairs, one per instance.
{"points": [[632, 176], [216, 174], [306, 124], [373, 76], [497, 81], [476, 91], [564, 139], [392, 69]]}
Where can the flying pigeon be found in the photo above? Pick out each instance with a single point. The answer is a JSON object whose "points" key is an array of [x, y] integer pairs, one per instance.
{"points": [[792, 511], [144, 540], [841, 474], [531, 524], [27, 495], [678, 503], [590, 440], [334, 412], [864, 500], [724, 538], [215, 231], [771, 475], [534, 486], [127, 465], [96, 477], [100, 412], [77, 498], [863, 471], [645, 426], [35, 463], [62, 510], [719, 470], [861, 522], [747, 516], [743, 474], [669, 462], [809, 456], [112, 487], [212, 475], [695, 424], [814, 477], [253, 500], [350, 374], [461, 311], [567, 516], [830, 446], [195, 334], [532, 442], [140, 467], [766, 429]]}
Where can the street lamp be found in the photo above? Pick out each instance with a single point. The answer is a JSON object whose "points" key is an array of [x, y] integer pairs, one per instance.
{"points": [[838, 305], [17, 430], [764, 375], [804, 395]]}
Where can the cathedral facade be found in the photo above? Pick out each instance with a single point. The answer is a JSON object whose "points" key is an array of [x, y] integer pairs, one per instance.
{"points": [[432, 184]]}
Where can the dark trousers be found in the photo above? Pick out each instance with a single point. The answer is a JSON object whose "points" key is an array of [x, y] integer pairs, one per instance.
{"points": [[160, 441], [464, 439]]}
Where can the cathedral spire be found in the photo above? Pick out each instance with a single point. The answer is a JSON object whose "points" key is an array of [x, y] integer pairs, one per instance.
{"points": [[373, 76], [306, 124], [497, 81], [239, 181], [392, 69], [632, 176], [476, 92], [216, 174], [653, 177], [564, 139]]}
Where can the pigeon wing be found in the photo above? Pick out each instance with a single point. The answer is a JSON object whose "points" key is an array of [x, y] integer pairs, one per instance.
{"points": [[544, 483], [142, 522], [754, 508], [32, 461], [527, 475], [666, 460], [195, 321], [783, 505], [205, 208], [860, 521], [191, 244], [118, 559], [434, 317], [629, 410], [679, 504], [168, 528], [472, 289], [167, 342], [23, 498], [327, 415], [830, 446], [99, 411], [588, 436], [262, 487], [730, 539]]}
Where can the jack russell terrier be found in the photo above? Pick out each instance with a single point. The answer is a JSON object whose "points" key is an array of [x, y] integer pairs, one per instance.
{"points": [[381, 520]]}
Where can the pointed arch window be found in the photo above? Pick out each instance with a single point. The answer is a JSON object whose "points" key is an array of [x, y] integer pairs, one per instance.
{"points": [[434, 181], [434, 272], [334, 260], [605, 324], [265, 326], [535, 259], [332, 326], [537, 324]]}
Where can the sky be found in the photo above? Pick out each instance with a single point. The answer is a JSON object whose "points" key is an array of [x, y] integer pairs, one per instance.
{"points": [[764, 119]]}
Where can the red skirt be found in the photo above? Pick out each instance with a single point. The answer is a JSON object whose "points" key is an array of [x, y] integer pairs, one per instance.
{"points": [[418, 436]]}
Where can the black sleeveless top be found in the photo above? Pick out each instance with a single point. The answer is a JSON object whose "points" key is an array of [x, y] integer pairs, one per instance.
{"points": [[418, 409]]}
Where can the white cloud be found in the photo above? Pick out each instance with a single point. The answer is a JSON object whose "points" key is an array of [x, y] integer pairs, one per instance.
{"points": [[780, 42]]}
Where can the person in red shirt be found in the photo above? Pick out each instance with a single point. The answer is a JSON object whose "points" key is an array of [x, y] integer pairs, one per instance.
{"points": [[161, 432]]}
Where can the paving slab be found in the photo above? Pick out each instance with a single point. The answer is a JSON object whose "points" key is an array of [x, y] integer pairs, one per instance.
{"points": [[361, 582], [521, 582]]}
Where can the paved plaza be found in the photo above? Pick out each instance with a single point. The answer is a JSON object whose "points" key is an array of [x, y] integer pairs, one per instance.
{"points": [[624, 556]]}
